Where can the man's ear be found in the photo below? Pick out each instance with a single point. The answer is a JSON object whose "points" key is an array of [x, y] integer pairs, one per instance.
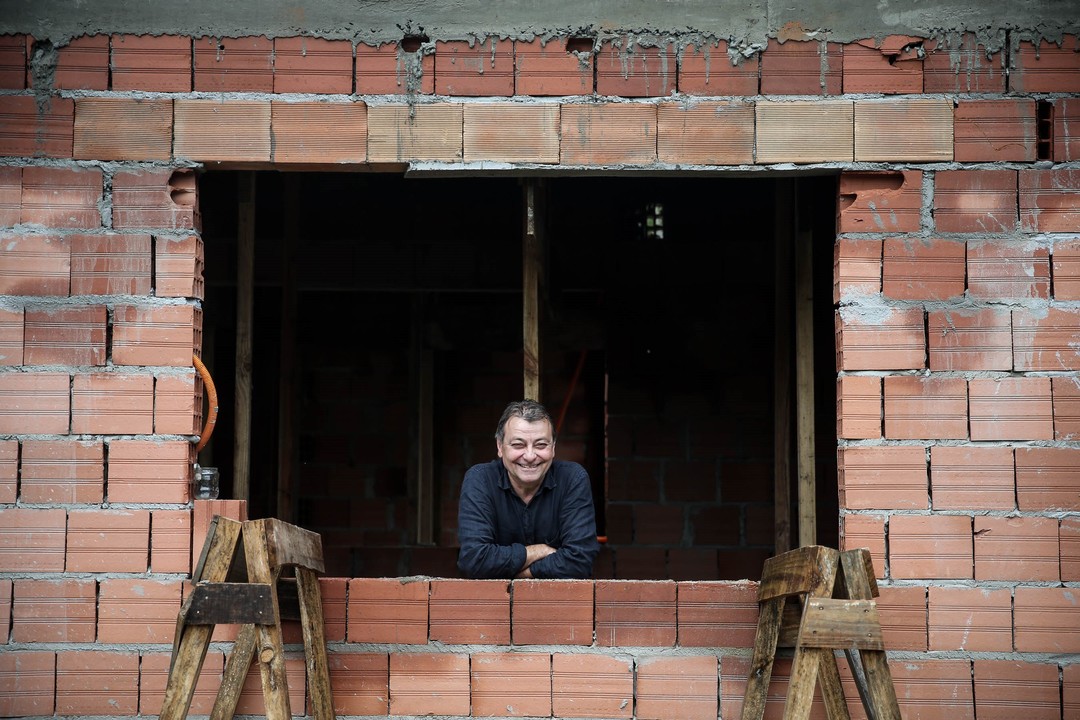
{"points": [[498, 448]]}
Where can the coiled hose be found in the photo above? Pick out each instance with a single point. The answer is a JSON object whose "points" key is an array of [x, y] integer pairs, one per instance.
{"points": [[211, 396]]}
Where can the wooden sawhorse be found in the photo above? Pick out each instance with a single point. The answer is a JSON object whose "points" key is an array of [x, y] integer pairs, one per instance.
{"points": [[831, 608], [238, 581]]}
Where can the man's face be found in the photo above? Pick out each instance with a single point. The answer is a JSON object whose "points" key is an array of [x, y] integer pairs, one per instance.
{"points": [[527, 449]]}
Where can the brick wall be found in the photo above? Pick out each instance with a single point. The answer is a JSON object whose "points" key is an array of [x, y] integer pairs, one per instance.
{"points": [[957, 325]]}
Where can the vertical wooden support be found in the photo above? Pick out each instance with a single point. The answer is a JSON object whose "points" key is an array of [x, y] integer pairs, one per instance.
{"points": [[269, 649], [287, 375], [421, 432], [245, 303], [804, 375], [782, 323], [531, 285]]}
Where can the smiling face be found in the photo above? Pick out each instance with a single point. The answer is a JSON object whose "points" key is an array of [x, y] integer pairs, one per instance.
{"points": [[526, 450]]}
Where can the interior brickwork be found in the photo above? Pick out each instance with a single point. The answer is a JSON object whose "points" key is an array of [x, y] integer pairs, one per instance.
{"points": [[957, 320]]}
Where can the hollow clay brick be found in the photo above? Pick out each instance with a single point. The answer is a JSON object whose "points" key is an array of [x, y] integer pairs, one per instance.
{"points": [[1007, 689], [13, 62], [902, 610], [967, 341], [1015, 408], [157, 63], [10, 196], [1045, 620], [710, 69], [222, 130], [922, 269], [108, 541], [65, 335], [312, 65], [686, 686], [1049, 200], [890, 65], [1046, 67], [551, 68], [591, 686], [892, 340], [635, 614], [962, 65], [546, 612], [608, 134], [707, 133], [170, 541], [971, 619], [972, 477], [511, 685], [399, 133], [933, 408], [54, 611], [360, 682], [154, 676], [30, 130], [627, 68], [1046, 478], [470, 611], [478, 68], [1046, 340], [387, 610], [797, 67], [161, 335], [389, 69], [138, 610], [857, 268], [429, 684], [892, 478], [975, 201], [1019, 548], [511, 133], [938, 546], [9, 471], [115, 128], [717, 614], [1007, 270], [995, 131], [153, 198], [110, 264], [112, 403], [32, 403], [62, 197], [319, 132], [150, 471], [1066, 394], [237, 64], [880, 201]]}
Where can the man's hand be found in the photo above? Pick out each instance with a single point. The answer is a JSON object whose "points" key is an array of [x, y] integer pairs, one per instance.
{"points": [[532, 554]]}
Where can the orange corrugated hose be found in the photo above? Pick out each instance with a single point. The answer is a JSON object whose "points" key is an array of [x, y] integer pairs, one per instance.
{"points": [[211, 395]]}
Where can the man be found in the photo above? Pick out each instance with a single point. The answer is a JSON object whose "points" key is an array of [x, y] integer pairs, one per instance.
{"points": [[526, 514]]}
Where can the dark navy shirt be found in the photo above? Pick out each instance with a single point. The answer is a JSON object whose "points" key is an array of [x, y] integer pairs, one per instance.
{"points": [[494, 525]]}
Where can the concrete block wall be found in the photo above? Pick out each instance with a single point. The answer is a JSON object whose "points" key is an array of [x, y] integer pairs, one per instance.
{"points": [[957, 325]]}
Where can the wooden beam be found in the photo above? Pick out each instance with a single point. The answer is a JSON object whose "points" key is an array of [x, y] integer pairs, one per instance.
{"points": [[804, 375], [421, 464], [531, 286], [782, 324], [245, 303], [287, 373]]}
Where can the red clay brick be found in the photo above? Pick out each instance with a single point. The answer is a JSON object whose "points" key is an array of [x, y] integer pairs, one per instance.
{"points": [[547, 612], [891, 339], [150, 471], [890, 65], [883, 477], [903, 617], [972, 478], [29, 679], [1069, 544], [429, 684], [627, 68], [389, 69], [111, 403], [470, 611], [507, 132], [28, 131], [717, 614], [170, 541], [1047, 478], [880, 201], [922, 269], [659, 524], [970, 340], [865, 531], [158, 63], [154, 675], [175, 408], [54, 611], [1005, 689], [798, 68], [63, 471], [1046, 67], [179, 264], [1065, 266], [962, 65], [477, 68], [1046, 619], [882, 130], [608, 134], [708, 133], [685, 686], [10, 195], [804, 131], [162, 335], [83, 64], [1001, 270], [383, 610], [398, 133], [1046, 340], [592, 686], [243, 64], [33, 403], [32, 540], [202, 515], [108, 541], [5, 611], [153, 198], [11, 337], [690, 563], [312, 65], [925, 408], [856, 268], [110, 265], [1066, 393], [975, 201], [934, 689], [9, 471], [97, 683], [13, 62], [1066, 129], [114, 128], [711, 70], [938, 546], [1015, 408], [1020, 548], [65, 335], [995, 131], [715, 525], [972, 619], [38, 265], [635, 614], [138, 610], [361, 683], [62, 197], [547, 67], [1049, 200], [222, 130], [690, 480], [319, 132], [511, 685]]}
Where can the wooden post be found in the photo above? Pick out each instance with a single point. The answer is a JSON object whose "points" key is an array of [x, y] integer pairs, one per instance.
{"points": [[287, 375], [804, 373], [421, 470], [531, 284], [783, 236], [245, 302]]}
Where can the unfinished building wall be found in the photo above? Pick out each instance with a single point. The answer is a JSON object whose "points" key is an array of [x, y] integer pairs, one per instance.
{"points": [[957, 288]]}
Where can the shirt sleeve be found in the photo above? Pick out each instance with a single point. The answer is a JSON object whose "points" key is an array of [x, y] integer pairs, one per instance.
{"points": [[480, 556], [577, 550]]}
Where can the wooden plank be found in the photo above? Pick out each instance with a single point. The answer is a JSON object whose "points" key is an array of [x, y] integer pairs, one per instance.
{"points": [[761, 664], [804, 676], [311, 624], [288, 458], [236, 670], [804, 378], [531, 286], [832, 692], [782, 323], [191, 641], [245, 304], [841, 624], [229, 604], [288, 545], [880, 691], [271, 650], [810, 569]]}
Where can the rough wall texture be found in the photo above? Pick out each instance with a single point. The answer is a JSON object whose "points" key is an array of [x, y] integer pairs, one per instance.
{"points": [[958, 322]]}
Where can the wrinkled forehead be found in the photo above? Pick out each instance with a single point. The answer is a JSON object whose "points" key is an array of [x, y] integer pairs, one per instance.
{"points": [[521, 429]]}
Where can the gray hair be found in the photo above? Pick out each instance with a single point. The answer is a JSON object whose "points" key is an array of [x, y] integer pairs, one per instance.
{"points": [[527, 410]]}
